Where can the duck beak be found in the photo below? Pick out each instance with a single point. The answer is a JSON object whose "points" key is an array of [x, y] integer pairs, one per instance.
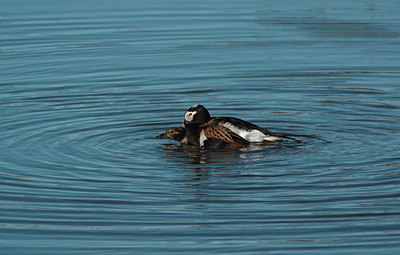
{"points": [[162, 136]]}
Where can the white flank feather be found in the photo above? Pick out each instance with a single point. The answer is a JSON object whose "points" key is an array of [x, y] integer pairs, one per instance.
{"points": [[251, 135], [203, 138]]}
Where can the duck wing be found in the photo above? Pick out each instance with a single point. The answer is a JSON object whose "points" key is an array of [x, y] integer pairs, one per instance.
{"points": [[245, 125], [214, 130], [239, 123], [224, 134]]}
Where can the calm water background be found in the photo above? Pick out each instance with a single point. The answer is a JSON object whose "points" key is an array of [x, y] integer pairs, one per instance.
{"points": [[86, 85]]}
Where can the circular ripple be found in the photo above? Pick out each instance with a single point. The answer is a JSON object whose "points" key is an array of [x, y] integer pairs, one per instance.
{"points": [[86, 88]]}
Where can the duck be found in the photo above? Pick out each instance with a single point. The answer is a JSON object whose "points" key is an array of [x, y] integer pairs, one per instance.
{"points": [[201, 129], [179, 134]]}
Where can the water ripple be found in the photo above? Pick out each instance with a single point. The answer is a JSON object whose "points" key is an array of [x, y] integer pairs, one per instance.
{"points": [[85, 89]]}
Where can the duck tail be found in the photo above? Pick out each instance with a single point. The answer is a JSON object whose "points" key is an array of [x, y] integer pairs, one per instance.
{"points": [[290, 136]]}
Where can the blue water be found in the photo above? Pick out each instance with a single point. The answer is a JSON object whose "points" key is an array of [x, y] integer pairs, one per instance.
{"points": [[85, 86]]}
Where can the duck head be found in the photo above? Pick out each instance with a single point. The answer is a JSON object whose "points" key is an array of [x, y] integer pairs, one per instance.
{"points": [[197, 114], [175, 133]]}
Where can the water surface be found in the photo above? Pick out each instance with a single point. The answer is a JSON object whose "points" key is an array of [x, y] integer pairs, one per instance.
{"points": [[87, 85]]}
